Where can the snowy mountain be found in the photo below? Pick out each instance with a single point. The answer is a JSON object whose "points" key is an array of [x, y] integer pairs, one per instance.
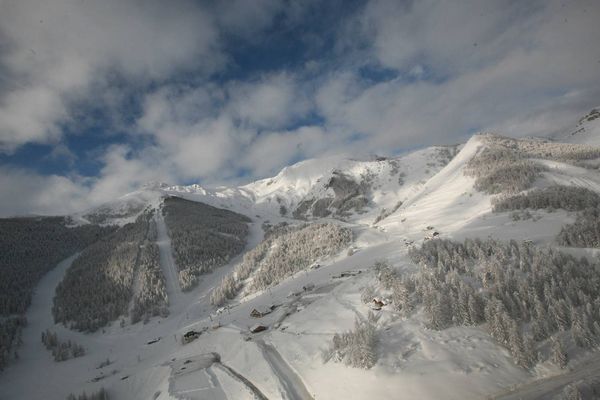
{"points": [[587, 130], [448, 272], [352, 190]]}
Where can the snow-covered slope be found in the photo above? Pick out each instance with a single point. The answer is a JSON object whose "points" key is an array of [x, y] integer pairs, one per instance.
{"points": [[446, 202], [125, 209], [587, 130], [388, 204], [347, 189]]}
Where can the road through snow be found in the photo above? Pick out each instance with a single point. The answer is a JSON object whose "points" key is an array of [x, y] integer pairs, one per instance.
{"points": [[291, 382]]}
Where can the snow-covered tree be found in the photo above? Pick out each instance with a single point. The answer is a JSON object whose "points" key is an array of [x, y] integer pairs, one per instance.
{"points": [[282, 253], [560, 356], [357, 347], [203, 237]]}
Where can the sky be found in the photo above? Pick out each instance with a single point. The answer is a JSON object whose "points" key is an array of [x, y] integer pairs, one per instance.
{"points": [[98, 97]]}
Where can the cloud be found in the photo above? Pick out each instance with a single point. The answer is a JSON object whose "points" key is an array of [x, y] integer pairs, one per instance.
{"points": [[202, 131], [55, 51], [449, 37], [25, 193], [273, 150], [494, 65], [61, 153], [270, 102], [126, 170], [30, 115], [395, 75], [189, 129]]}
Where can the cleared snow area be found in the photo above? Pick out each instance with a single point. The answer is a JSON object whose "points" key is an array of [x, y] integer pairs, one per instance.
{"points": [[284, 361]]}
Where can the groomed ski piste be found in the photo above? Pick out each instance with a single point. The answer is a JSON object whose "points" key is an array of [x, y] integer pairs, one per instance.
{"points": [[227, 361]]}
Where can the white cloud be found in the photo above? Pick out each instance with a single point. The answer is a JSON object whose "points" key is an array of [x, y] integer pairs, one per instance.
{"points": [[126, 170], [25, 193], [520, 68], [527, 62], [448, 36], [270, 102], [203, 131], [30, 115], [54, 51], [271, 151]]}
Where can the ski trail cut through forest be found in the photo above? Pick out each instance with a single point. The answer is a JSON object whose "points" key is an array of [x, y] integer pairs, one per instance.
{"points": [[167, 262], [17, 378], [291, 382]]}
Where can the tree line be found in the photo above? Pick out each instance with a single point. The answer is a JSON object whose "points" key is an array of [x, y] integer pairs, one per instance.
{"points": [[500, 170], [523, 295], [584, 232], [284, 251], [356, 347], [10, 338], [98, 287], [202, 237], [509, 165], [61, 351], [151, 298], [101, 394], [569, 198], [29, 248]]}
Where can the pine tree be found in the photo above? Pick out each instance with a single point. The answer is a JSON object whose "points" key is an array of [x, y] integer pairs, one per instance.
{"points": [[581, 331], [401, 299], [530, 356], [538, 328], [559, 354], [475, 309], [572, 392], [441, 311], [516, 346]]}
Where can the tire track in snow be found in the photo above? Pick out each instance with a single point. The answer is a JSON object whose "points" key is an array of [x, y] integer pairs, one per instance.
{"points": [[291, 382]]}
